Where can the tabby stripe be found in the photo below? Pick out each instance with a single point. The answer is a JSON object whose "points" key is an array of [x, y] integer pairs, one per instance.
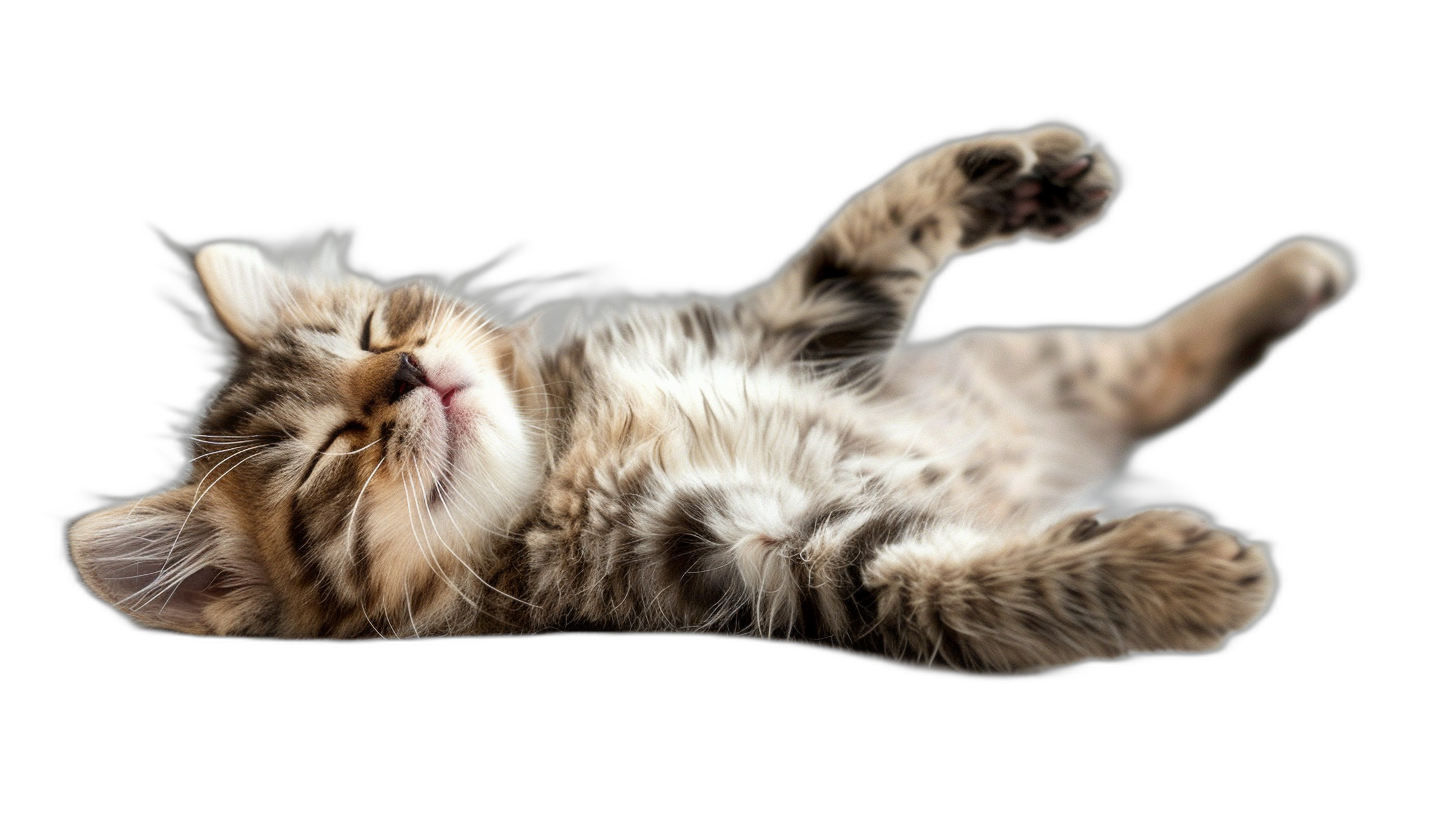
{"points": [[365, 336], [341, 621], [428, 593], [708, 323], [386, 435], [850, 347], [849, 595], [361, 559], [809, 623], [989, 164], [861, 548], [823, 264], [301, 542], [404, 308], [852, 350], [687, 541]]}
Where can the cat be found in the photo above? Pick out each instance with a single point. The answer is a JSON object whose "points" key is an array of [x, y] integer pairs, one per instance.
{"points": [[389, 462]]}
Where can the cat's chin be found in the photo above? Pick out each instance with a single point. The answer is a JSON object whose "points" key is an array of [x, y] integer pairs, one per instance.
{"points": [[490, 466]]}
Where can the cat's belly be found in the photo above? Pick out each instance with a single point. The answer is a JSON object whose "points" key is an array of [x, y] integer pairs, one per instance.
{"points": [[692, 484]]}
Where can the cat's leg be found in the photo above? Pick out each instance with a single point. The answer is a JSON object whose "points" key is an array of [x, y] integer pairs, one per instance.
{"points": [[843, 303], [897, 575], [1157, 580], [1132, 383], [1058, 410], [928, 589], [1188, 358]]}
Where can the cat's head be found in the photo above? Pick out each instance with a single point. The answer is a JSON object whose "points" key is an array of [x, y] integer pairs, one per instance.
{"points": [[349, 478]]}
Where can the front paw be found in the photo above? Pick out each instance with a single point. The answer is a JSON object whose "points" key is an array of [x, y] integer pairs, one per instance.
{"points": [[1047, 181], [1175, 581]]}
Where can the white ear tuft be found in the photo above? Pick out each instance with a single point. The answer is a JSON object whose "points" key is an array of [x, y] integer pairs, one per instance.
{"points": [[246, 290]]}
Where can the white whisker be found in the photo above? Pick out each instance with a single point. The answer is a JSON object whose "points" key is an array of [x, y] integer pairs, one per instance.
{"points": [[463, 537], [200, 482], [198, 500]]}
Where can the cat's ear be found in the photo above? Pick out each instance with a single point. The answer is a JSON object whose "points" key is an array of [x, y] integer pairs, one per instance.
{"points": [[170, 562], [246, 289]]}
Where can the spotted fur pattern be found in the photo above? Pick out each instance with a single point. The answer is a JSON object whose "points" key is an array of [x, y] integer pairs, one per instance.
{"points": [[388, 462]]}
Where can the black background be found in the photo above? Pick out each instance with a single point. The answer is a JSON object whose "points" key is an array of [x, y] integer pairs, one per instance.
{"points": [[673, 178]]}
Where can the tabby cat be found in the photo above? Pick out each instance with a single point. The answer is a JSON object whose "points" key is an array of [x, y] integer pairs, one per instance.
{"points": [[389, 462]]}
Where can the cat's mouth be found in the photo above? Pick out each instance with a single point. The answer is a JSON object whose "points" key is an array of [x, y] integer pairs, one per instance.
{"points": [[440, 412], [450, 425]]}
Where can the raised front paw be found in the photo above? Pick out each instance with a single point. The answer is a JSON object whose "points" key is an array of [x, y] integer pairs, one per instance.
{"points": [[1047, 181], [1172, 581]]}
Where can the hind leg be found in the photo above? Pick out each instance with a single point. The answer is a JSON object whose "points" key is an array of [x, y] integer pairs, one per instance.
{"points": [[1064, 407], [1187, 359]]}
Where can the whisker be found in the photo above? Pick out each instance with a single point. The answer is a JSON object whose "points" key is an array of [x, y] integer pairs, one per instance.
{"points": [[216, 452], [354, 511], [427, 552], [197, 498], [348, 453], [220, 463], [468, 568], [472, 571]]}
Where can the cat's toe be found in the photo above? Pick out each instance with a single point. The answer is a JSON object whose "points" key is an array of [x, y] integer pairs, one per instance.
{"points": [[1047, 181], [1070, 195], [1196, 583], [1075, 181]]}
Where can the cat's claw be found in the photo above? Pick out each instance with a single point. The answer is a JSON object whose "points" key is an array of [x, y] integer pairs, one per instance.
{"points": [[1073, 171]]}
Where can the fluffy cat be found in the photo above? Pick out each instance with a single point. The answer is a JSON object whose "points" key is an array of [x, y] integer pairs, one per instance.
{"points": [[388, 462]]}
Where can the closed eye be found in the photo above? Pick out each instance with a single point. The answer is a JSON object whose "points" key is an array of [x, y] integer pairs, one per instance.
{"points": [[365, 337], [347, 427]]}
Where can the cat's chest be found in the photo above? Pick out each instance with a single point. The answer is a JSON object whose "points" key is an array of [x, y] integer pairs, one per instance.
{"points": [[711, 412], [711, 421]]}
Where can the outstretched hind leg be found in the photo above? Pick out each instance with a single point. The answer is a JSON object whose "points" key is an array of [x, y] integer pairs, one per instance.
{"points": [[1145, 380], [1056, 411], [1187, 359]]}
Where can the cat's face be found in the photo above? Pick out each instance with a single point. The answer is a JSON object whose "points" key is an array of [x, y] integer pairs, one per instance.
{"points": [[349, 478]]}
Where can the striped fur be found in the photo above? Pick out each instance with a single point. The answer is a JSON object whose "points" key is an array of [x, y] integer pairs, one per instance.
{"points": [[388, 462]]}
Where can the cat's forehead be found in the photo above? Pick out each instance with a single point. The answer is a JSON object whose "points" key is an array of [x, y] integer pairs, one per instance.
{"points": [[407, 306], [397, 309]]}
